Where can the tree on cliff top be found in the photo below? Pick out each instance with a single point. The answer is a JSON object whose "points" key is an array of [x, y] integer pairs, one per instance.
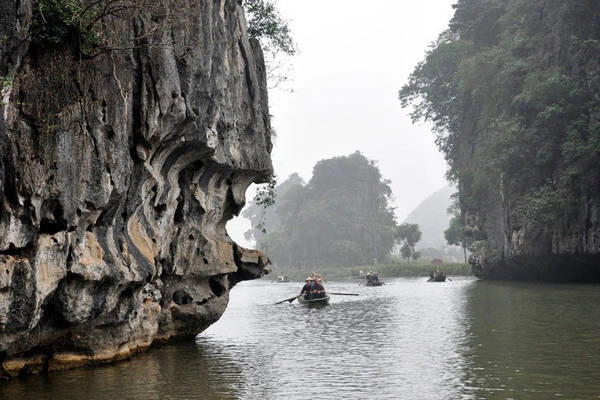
{"points": [[266, 24]]}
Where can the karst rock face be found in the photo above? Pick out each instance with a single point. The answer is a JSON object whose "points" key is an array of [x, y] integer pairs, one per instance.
{"points": [[120, 165]]}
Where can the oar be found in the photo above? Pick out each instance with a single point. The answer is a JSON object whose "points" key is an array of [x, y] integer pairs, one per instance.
{"points": [[288, 300], [344, 294]]}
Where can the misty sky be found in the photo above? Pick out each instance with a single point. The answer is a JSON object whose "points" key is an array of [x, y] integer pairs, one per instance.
{"points": [[342, 93]]}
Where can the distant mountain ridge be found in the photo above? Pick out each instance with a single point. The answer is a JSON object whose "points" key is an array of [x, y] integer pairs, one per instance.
{"points": [[433, 218]]}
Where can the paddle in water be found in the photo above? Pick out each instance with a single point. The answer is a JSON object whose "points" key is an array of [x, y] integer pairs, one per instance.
{"points": [[344, 294], [288, 300]]}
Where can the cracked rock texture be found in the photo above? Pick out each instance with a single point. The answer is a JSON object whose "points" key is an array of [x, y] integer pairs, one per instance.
{"points": [[118, 172]]}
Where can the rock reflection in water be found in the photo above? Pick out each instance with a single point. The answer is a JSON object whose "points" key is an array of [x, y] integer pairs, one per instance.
{"points": [[532, 341], [177, 371]]}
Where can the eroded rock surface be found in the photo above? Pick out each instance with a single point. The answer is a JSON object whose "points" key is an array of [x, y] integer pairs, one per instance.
{"points": [[568, 251], [119, 169]]}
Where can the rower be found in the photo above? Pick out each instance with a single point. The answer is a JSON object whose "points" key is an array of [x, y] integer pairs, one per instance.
{"points": [[307, 288], [318, 291]]}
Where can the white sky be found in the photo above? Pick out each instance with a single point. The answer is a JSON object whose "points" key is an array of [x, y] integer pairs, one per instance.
{"points": [[342, 94]]}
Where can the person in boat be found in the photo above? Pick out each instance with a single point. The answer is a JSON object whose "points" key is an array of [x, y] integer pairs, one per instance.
{"points": [[436, 276], [318, 291], [307, 288], [373, 279], [317, 277]]}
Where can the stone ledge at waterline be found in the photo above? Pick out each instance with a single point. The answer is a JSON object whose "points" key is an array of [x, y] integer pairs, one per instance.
{"points": [[121, 163]]}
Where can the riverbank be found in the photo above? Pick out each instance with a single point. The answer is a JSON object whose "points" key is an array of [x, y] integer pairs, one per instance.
{"points": [[392, 270]]}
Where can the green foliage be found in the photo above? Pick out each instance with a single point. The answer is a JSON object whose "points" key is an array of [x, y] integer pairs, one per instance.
{"points": [[340, 217], [265, 195], [511, 88], [262, 211], [408, 235], [80, 22], [455, 236], [6, 81], [420, 268], [56, 22], [266, 24], [543, 205]]}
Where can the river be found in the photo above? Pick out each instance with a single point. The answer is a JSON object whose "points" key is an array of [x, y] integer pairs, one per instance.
{"points": [[409, 339]]}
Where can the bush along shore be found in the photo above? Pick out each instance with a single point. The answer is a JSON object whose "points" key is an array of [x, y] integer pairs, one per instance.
{"points": [[391, 270]]}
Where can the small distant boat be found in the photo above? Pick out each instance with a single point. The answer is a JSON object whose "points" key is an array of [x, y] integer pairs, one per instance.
{"points": [[436, 276], [321, 301], [372, 279], [282, 279]]}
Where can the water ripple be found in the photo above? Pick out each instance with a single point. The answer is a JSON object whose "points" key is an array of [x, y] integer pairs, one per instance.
{"points": [[406, 340]]}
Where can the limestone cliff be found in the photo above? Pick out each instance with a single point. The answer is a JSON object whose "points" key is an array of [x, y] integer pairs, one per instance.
{"points": [[566, 250], [512, 89], [126, 146], [532, 187]]}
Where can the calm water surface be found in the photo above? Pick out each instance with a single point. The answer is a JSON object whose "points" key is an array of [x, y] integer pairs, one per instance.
{"points": [[409, 339]]}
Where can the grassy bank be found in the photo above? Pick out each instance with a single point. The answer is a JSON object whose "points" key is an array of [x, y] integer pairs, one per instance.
{"points": [[394, 270]]}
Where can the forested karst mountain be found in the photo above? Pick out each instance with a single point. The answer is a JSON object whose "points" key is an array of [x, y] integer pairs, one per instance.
{"points": [[341, 216], [513, 89]]}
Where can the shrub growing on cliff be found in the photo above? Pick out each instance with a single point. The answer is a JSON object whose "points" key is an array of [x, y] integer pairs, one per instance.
{"points": [[542, 206], [267, 25], [80, 23], [58, 21]]}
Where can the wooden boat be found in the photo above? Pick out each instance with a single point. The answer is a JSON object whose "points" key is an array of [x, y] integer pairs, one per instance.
{"points": [[314, 302], [372, 279], [436, 276]]}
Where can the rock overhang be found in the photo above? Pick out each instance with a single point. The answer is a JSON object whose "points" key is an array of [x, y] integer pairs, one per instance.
{"points": [[118, 175]]}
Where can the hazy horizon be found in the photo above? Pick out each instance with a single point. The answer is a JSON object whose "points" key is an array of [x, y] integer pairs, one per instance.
{"points": [[342, 94]]}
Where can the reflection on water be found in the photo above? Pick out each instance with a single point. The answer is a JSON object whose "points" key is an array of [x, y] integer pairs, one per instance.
{"points": [[528, 341], [395, 341], [406, 340]]}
